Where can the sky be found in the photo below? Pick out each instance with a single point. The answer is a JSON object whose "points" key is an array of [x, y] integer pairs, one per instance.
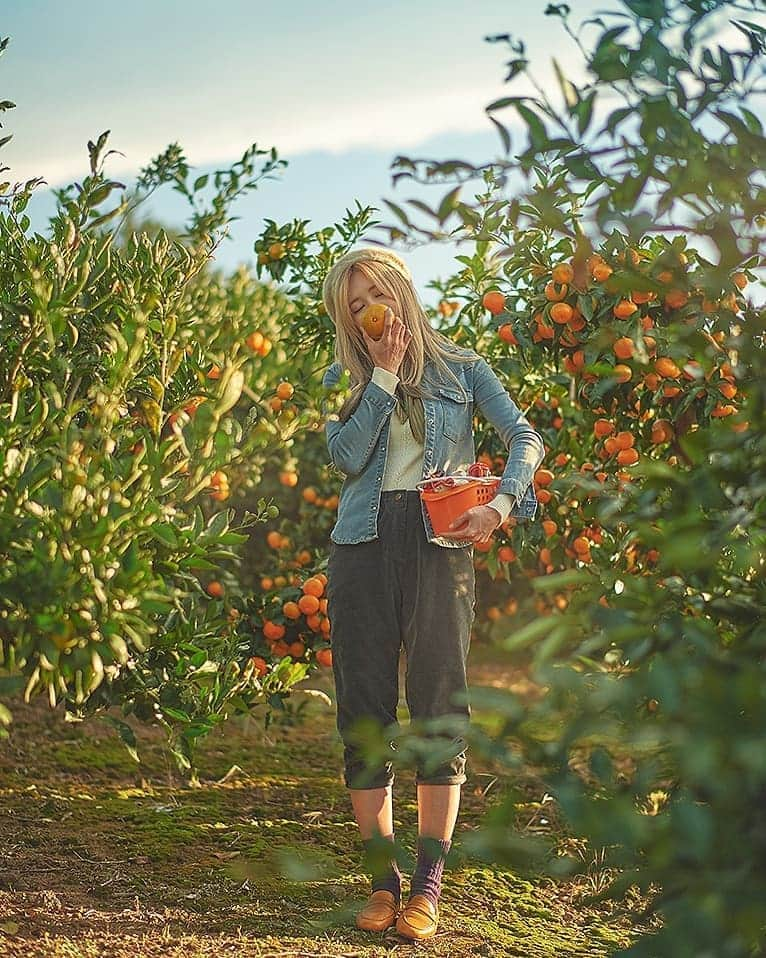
{"points": [[339, 89]]}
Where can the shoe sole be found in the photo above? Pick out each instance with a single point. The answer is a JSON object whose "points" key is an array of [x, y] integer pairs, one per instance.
{"points": [[417, 936]]}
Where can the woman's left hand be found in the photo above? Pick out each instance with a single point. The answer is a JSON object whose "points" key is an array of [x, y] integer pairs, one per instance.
{"points": [[477, 523]]}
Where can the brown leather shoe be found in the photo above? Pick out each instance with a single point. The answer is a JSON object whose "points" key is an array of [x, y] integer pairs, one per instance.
{"points": [[418, 918], [379, 912]]}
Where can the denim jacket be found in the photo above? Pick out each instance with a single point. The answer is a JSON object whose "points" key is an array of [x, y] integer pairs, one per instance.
{"points": [[358, 446]]}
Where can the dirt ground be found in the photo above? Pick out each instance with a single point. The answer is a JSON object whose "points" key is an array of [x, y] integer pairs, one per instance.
{"points": [[105, 857]]}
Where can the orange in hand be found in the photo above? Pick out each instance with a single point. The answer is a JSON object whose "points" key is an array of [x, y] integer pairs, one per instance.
{"points": [[373, 320]]}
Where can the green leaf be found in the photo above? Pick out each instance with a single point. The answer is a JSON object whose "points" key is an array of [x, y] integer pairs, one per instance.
{"points": [[449, 203], [399, 212], [538, 136], [504, 102], [515, 67], [218, 523], [584, 112], [126, 733], [534, 630], [754, 124], [561, 580], [504, 135], [165, 533], [177, 714]]}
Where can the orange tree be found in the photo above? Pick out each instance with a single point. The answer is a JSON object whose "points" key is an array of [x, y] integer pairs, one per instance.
{"points": [[134, 386], [618, 312]]}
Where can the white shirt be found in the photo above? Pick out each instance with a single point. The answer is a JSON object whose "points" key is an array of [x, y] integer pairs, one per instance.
{"points": [[404, 465]]}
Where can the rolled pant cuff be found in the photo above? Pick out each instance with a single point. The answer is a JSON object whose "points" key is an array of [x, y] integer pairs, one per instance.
{"points": [[353, 782], [441, 780]]}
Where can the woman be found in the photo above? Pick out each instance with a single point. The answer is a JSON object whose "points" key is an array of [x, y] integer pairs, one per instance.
{"points": [[391, 580]]}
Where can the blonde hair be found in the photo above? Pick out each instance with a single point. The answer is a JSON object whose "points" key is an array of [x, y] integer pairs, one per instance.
{"points": [[393, 277]]}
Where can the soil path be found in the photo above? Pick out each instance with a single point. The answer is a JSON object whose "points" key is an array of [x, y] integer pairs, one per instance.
{"points": [[101, 856]]}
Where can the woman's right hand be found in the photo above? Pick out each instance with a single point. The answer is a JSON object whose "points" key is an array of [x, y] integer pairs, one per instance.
{"points": [[388, 351]]}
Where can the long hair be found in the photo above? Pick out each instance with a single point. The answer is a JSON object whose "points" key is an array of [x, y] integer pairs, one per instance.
{"points": [[392, 276]]}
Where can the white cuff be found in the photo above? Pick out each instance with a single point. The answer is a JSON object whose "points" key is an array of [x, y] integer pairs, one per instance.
{"points": [[503, 503], [385, 379]]}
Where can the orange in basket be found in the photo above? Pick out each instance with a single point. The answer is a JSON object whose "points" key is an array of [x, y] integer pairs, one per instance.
{"points": [[445, 506]]}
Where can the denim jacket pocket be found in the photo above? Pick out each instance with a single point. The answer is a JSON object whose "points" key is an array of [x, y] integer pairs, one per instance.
{"points": [[456, 412]]}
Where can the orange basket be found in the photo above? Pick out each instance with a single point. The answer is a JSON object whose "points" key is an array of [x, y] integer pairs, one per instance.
{"points": [[445, 506]]}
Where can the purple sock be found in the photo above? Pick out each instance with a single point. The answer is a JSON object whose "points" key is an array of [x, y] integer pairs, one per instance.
{"points": [[384, 869], [427, 879]]}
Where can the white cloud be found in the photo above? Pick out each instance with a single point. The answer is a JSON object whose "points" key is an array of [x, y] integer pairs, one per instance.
{"points": [[392, 124]]}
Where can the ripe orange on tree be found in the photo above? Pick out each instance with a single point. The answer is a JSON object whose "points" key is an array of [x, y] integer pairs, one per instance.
{"points": [[290, 610], [297, 649], [667, 368], [623, 347], [285, 390], [505, 332], [563, 273], [642, 297], [219, 485], [676, 298], [273, 631], [581, 545], [313, 586], [280, 648], [494, 301], [215, 589], [627, 457], [624, 309], [255, 340], [265, 347], [601, 271], [555, 292], [308, 604], [324, 657], [662, 431], [561, 312], [722, 409], [260, 665]]}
